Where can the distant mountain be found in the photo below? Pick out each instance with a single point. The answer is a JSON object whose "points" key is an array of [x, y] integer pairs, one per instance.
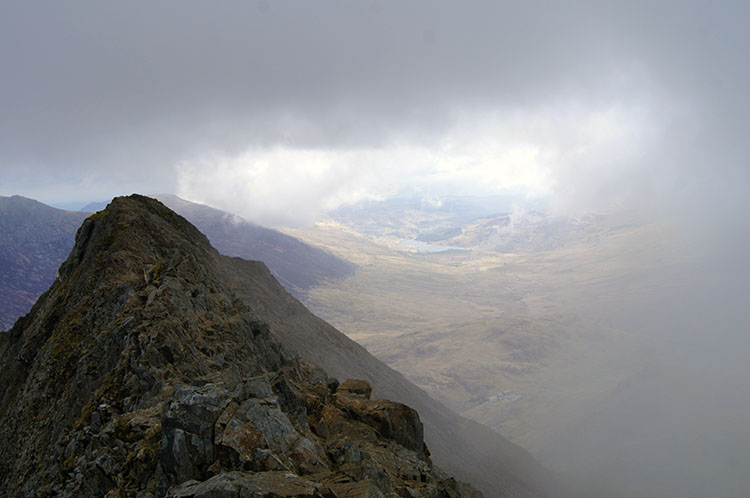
{"points": [[94, 206], [139, 374], [34, 240], [495, 224], [538, 231], [418, 217]]}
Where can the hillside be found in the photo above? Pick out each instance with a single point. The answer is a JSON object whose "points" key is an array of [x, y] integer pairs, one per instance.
{"points": [[297, 265], [469, 450], [139, 374], [35, 239]]}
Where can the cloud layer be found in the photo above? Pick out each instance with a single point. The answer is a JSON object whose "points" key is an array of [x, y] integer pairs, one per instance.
{"points": [[482, 154], [105, 98]]}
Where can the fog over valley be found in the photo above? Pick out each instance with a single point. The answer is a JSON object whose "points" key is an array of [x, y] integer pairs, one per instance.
{"points": [[537, 212]]}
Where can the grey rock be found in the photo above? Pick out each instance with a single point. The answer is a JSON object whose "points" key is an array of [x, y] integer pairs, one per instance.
{"points": [[256, 387], [246, 484], [244, 429], [290, 400], [188, 430], [356, 387]]}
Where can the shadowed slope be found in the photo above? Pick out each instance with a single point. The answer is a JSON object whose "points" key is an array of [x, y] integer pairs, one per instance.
{"points": [[34, 240]]}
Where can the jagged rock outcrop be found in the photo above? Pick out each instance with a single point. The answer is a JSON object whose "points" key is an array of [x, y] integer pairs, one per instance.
{"points": [[139, 373]]}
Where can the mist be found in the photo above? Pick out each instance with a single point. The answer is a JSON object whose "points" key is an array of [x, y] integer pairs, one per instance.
{"points": [[284, 112]]}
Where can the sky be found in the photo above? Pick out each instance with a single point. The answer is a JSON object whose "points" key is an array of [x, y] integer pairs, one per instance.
{"points": [[282, 110]]}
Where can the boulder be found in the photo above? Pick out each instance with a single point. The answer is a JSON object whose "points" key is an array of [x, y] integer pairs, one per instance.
{"points": [[244, 430], [256, 485], [187, 447], [356, 387], [390, 419]]}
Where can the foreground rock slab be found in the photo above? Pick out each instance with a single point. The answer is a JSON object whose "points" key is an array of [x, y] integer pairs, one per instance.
{"points": [[246, 484]]}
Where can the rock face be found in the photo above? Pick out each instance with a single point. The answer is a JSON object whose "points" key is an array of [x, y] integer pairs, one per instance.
{"points": [[138, 373]]}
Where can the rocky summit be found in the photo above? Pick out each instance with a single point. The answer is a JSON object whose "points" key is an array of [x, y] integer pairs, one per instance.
{"points": [[140, 374]]}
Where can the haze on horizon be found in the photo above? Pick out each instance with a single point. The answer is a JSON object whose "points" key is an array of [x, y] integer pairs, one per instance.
{"points": [[281, 111]]}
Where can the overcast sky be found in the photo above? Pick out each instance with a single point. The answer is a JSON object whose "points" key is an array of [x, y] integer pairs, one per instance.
{"points": [[280, 110]]}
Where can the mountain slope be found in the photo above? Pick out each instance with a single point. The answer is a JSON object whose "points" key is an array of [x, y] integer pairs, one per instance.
{"points": [[35, 239], [138, 373], [297, 265], [469, 450], [464, 448]]}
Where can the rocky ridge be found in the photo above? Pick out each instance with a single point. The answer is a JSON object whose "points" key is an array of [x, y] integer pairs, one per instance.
{"points": [[139, 373]]}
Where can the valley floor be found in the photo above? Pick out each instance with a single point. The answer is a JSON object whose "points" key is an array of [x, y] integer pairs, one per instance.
{"points": [[509, 339]]}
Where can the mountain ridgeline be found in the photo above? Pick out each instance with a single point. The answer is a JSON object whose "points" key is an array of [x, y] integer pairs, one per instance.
{"points": [[139, 373]]}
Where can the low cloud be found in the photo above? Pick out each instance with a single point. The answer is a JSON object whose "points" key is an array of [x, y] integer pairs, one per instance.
{"points": [[536, 153]]}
